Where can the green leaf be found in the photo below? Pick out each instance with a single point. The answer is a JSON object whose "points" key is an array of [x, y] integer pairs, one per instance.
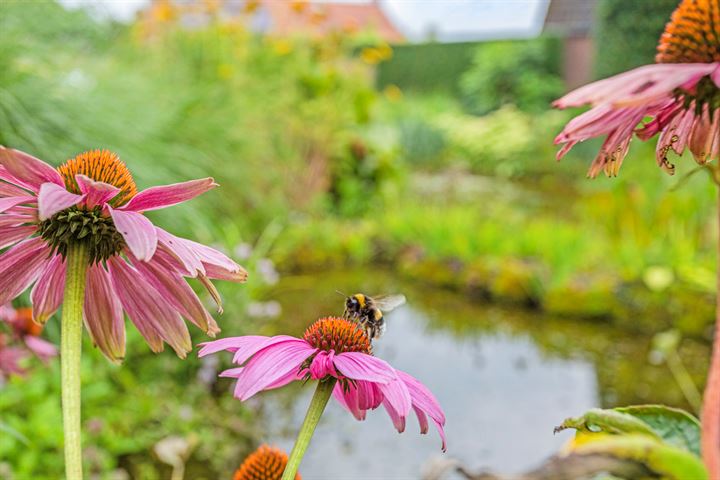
{"points": [[664, 460], [675, 426], [609, 421]]}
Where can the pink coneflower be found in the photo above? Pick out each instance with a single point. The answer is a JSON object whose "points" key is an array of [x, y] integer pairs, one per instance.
{"points": [[680, 95], [132, 266], [21, 341], [335, 350], [679, 99]]}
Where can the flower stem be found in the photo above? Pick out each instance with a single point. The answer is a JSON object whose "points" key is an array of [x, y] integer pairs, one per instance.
{"points": [[312, 417], [711, 399], [70, 349]]}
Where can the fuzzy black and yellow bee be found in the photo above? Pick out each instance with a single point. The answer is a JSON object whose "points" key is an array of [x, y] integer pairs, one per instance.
{"points": [[368, 311]]}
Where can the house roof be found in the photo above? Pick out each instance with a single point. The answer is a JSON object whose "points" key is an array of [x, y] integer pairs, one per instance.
{"points": [[278, 17]]}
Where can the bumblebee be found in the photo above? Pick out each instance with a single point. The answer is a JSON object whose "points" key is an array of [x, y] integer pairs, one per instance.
{"points": [[368, 311]]}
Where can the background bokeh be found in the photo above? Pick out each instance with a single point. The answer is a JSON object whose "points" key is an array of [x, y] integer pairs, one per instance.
{"points": [[349, 160]]}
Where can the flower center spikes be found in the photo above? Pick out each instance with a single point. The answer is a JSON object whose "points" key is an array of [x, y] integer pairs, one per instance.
{"points": [[265, 463], [692, 35], [101, 166], [338, 334], [82, 226]]}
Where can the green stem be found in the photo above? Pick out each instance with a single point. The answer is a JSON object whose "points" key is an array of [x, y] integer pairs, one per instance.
{"points": [[70, 350], [312, 417]]}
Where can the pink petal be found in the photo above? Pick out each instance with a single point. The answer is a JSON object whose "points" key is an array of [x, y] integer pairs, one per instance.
{"points": [[177, 292], [10, 235], [139, 233], [96, 193], [103, 314], [54, 198], [28, 170], [232, 344], [20, 266], [167, 195], [646, 84], [422, 420], [322, 365], [397, 395], [270, 365], [10, 359], [424, 400], [8, 189], [243, 355], [14, 219], [292, 376], [238, 274], [197, 258], [715, 75], [231, 372], [47, 294], [397, 419], [147, 309], [9, 202], [348, 399], [43, 349], [361, 366]]}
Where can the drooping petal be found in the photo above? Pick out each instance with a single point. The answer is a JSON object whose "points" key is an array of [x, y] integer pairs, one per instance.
{"points": [[54, 198], [96, 193], [103, 314], [151, 314], [139, 233], [424, 400], [348, 399], [47, 293], [20, 266], [167, 195], [270, 365], [397, 395], [397, 419], [42, 348], [361, 366], [27, 170], [11, 234], [182, 252], [7, 203], [176, 291], [238, 275], [197, 258]]}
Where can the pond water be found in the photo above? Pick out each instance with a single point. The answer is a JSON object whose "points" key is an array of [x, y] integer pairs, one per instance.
{"points": [[505, 378]]}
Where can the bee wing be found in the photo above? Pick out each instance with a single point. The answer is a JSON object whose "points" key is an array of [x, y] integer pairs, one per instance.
{"points": [[387, 303]]}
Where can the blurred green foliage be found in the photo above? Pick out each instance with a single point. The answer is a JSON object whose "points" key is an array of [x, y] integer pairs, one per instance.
{"points": [[525, 73], [427, 67], [627, 33]]}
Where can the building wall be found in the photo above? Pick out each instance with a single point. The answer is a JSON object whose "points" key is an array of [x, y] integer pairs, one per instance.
{"points": [[578, 61]]}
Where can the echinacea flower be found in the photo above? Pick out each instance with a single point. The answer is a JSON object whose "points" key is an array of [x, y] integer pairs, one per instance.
{"points": [[265, 463], [133, 266], [330, 348], [680, 95], [21, 341]]}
